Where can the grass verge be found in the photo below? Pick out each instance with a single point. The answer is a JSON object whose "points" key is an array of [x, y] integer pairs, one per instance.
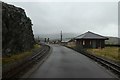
{"points": [[111, 53], [18, 56]]}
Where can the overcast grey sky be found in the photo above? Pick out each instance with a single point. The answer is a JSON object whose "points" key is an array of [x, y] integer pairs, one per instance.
{"points": [[72, 17]]}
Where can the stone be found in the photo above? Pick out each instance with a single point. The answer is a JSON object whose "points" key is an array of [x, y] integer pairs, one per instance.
{"points": [[17, 34]]}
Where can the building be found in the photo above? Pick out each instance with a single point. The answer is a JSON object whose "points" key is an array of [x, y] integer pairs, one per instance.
{"points": [[89, 40], [65, 41]]}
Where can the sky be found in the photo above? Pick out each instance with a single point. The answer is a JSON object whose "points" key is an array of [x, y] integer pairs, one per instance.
{"points": [[72, 17]]}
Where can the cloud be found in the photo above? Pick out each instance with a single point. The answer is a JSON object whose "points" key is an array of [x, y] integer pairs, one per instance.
{"points": [[75, 17]]}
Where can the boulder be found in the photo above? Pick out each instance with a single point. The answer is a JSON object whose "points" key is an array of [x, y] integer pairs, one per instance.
{"points": [[17, 34]]}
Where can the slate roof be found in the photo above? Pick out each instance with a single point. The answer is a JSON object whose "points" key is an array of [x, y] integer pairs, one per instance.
{"points": [[90, 35]]}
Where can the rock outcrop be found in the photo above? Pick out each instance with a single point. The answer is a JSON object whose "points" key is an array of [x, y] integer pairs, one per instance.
{"points": [[17, 34]]}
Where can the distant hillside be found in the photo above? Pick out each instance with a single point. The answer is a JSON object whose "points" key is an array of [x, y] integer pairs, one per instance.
{"points": [[55, 36], [113, 40]]}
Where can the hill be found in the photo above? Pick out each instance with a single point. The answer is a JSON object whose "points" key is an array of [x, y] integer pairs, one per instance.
{"points": [[55, 36], [113, 40]]}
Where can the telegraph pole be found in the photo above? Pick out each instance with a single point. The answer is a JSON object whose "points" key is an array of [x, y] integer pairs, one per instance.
{"points": [[61, 36], [38, 39]]}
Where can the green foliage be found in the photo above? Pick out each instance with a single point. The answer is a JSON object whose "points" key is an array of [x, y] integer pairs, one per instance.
{"points": [[119, 53], [36, 46]]}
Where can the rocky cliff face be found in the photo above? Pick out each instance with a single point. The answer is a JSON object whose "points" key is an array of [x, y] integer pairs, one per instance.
{"points": [[17, 34]]}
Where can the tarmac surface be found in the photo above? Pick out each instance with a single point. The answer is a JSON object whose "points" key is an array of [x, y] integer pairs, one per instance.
{"points": [[66, 63]]}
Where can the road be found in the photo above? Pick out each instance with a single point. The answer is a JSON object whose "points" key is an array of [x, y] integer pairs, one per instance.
{"points": [[66, 63]]}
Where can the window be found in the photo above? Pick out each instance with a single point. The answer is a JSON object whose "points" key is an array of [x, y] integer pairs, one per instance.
{"points": [[90, 42], [83, 42]]}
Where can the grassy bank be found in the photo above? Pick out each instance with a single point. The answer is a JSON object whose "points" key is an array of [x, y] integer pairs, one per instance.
{"points": [[108, 52], [18, 56]]}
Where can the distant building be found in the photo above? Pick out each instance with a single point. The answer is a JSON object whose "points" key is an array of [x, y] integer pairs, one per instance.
{"points": [[89, 40], [65, 41]]}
